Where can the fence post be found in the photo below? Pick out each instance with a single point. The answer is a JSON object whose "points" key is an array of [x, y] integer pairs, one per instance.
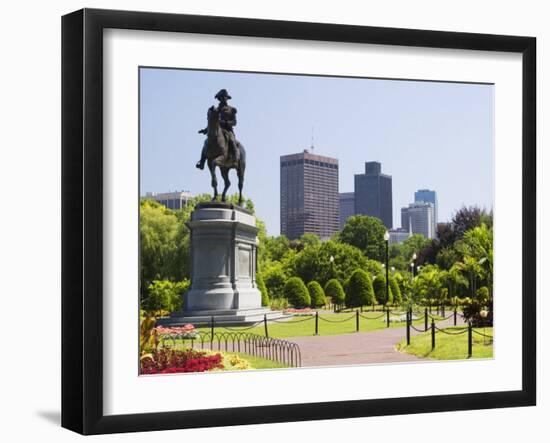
{"points": [[455, 316], [408, 329], [469, 339], [316, 322], [387, 317], [212, 329], [425, 319], [356, 320], [265, 325], [433, 334]]}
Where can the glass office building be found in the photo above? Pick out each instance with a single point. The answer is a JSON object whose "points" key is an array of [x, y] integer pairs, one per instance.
{"points": [[373, 193], [309, 195]]}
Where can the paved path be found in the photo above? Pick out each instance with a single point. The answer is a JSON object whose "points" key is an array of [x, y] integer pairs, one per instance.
{"points": [[357, 348]]}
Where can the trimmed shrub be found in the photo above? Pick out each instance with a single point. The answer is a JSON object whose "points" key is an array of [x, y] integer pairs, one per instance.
{"points": [[379, 285], [263, 289], [164, 296], [296, 292], [316, 294], [335, 291], [359, 291], [395, 291]]}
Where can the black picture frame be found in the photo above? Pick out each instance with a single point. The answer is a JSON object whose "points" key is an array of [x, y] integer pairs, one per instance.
{"points": [[82, 218]]}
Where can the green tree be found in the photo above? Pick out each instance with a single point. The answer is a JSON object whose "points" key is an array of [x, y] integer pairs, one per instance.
{"points": [[263, 289], [276, 247], [379, 286], [335, 291], [313, 263], [359, 291], [467, 218], [367, 234], [478, 243], [316, 294], [275, 277], [395, 290], [447, 257], [473, 270], [296, 292], [164, 296], [162, 242], [308, 239]]}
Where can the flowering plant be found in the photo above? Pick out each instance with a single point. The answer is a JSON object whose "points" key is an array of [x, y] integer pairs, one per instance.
{"points": [[186, 331], [170, 361], [300, 311]]}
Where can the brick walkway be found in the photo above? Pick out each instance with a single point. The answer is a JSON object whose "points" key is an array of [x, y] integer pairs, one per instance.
{"points": [[357, 348]]}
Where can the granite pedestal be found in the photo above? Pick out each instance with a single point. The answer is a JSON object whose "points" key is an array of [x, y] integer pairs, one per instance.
{"points": [[224, 247]]}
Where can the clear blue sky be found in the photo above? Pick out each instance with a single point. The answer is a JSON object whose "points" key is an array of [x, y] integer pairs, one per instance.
{"points": [[426, 134]]}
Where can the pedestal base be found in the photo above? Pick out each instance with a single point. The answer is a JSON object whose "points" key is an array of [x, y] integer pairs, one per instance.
{"points": [[223, 268]]}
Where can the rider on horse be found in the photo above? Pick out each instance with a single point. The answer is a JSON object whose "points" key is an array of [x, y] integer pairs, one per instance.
{"points": [[228, 119]]}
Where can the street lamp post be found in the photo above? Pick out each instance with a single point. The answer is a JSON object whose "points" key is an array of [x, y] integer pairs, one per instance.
{"points": [[387, 240]]}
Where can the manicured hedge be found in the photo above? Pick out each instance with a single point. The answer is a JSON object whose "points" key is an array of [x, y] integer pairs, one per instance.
{"points": [[359, 291], [395, 291], [335, 291], [296, 293], [316, 294]]}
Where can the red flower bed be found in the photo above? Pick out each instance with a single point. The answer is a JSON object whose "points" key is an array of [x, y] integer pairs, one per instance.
{"points": [[169, 361]]}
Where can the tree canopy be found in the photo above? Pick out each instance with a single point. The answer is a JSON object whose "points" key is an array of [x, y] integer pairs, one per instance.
{"points": [[367, 234]]}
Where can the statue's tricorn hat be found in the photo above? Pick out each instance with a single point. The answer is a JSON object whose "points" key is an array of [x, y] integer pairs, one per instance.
{"points": [[222, 94]]}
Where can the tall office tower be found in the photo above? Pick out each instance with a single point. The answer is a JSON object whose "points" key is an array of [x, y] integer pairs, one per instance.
{"points": [[418, 218], [373, 193], [172, 200], [398, 235], [428, 196], [309, 195], [347, 207]]}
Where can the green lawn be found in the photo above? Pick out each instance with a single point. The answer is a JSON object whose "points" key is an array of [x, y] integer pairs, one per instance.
{"points": [[329, 324], [258, 362], [450, 347]]}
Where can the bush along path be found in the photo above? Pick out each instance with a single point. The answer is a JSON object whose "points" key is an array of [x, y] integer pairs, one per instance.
{"points": [[359, 348]]}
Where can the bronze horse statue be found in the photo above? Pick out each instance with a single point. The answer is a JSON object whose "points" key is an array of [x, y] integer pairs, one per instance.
{"points": [[217, 154]]}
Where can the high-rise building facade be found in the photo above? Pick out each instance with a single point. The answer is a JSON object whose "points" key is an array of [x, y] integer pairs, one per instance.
{"points": [[172, 200], [418, 218], [347, 207], [309, 195], [373, 193], [398, 235], [427, 196]]}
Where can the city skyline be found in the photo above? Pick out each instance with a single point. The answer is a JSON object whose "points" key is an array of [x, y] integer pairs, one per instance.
{"points": [[424, 133]]}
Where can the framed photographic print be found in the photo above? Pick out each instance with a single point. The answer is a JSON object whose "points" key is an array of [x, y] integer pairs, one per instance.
{"points": [[253, 209]]}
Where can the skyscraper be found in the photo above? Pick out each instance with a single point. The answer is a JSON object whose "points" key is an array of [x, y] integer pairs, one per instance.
{"points": [[427, 196], [418, 218], [373, 193], [347, 207], [309, 195]]}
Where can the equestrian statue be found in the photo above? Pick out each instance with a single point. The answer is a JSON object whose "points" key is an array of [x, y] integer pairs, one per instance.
{"points": [[221, 148]]}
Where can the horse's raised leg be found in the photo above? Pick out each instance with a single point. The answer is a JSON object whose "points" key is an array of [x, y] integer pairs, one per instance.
{"points": [[212, 169], [227, 183], [240, 175]]}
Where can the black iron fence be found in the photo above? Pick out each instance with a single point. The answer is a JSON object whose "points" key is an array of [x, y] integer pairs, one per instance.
{"points": [[434, 329], [274, 349]]}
